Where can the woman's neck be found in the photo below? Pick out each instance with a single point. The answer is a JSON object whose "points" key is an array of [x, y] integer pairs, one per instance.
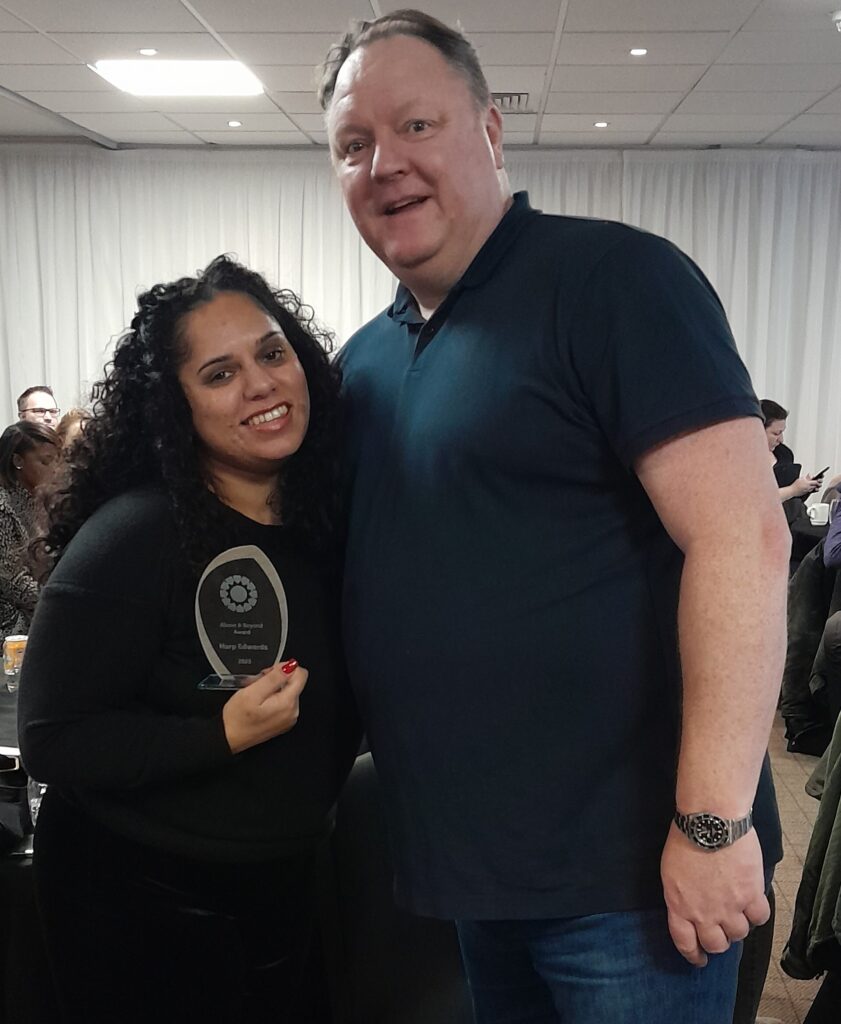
{"points": [[252, 496]]}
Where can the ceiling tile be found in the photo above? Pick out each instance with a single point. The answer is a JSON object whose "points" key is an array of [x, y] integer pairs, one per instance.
{"points": [[616, 122], [786, 15], [707, 139], [724, 123], [782, 48], [297, 102], [815, 123], [482, 16], [30, 48], [513, 47], [94, 46], [519, 138], [276, 78], [651, 78], [771, 77], [514, 79], [280, 47], [319, 137], [309, 122], [237, 138], [829, 105], [663, 47], [613, 102], [593, 139], [160, 138], [261, 104], [112, 124], [283, 15], [789, 138], [104, 15], [87, 102], [706, 102], [276, 122], [9, 23], [20, 119], [519, 123], [657, 15], [51, 78]]}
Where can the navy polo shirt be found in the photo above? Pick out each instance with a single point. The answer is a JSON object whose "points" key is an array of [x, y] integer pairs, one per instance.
{"points": [[510, 597]]}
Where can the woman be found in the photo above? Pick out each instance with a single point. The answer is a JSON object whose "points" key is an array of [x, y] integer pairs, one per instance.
{"points": [[27, 453], [70, 425], [774, 417], [175, 844]]}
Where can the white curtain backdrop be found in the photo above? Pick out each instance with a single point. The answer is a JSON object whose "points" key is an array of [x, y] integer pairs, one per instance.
{"points": [[82, 230]]}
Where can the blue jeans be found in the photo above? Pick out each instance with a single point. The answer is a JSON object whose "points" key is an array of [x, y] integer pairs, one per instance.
{"points": [[618, 968]]}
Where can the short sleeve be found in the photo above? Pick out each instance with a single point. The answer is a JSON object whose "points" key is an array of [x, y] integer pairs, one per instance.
{"points": [[653, 349]]}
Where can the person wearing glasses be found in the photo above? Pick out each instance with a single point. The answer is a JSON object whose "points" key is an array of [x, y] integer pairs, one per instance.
{"points": [[38, 405]]}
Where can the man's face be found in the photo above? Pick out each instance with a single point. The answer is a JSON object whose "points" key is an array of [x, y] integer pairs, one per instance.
{"points": [[417, 161], [40, 407]]}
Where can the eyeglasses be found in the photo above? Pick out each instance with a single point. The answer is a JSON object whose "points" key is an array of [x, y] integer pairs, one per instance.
{"points": [[43, 412]]}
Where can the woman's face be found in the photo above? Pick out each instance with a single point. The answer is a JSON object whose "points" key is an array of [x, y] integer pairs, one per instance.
{"points": [[774, 433], [246, 388], [34, 467]]}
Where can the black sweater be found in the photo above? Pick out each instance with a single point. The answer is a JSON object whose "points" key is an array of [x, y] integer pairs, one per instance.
{"points": [[110, 711]]}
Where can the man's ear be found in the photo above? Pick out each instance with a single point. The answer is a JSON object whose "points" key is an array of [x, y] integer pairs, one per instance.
{"points": [[493, 126]]}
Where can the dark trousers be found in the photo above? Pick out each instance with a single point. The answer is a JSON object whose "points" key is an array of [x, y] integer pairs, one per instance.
{"points": [[136, 935]]}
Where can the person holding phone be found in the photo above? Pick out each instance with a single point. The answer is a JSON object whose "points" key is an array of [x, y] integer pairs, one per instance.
{"points": [[175, 849], [774, 417]]}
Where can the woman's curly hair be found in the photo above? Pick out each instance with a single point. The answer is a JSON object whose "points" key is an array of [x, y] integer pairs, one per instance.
{"points": [[141, 431]]}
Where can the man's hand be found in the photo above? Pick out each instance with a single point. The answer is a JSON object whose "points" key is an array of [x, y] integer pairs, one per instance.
{"points": [[714, 897]]}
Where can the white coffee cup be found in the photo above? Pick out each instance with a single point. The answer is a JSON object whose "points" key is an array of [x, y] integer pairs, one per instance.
{"points": [[818, 513]]}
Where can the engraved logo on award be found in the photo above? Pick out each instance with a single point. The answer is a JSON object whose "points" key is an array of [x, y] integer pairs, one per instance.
{"points": [[241, 616]]}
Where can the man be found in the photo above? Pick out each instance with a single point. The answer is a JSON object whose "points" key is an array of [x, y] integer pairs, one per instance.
{"points": [[38, 405], [537, 431]]}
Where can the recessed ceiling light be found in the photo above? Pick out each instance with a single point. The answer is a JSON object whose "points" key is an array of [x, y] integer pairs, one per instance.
{"points": [[638, 51], [600, 124], [235, 124], [147, 51], [179, 77]]}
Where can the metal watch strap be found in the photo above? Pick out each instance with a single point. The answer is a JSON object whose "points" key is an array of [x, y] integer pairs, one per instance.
{"points": [[711, 832]]}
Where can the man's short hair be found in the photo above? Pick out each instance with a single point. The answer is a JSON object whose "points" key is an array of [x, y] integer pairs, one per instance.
{"points": [[772, 411], [31, 391], [451, 44]]}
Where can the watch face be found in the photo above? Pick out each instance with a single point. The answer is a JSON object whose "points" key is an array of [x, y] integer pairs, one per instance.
{"points": [[709, 830]]}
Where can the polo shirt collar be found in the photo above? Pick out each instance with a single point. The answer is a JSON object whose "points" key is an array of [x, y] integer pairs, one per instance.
{"points": [[404, 308]]}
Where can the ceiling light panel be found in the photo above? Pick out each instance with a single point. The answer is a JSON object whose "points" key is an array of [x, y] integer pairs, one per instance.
{"points": [[145, 77]]}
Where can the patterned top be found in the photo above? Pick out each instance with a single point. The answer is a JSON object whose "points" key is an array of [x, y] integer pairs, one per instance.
{"points": [[18, 587]]}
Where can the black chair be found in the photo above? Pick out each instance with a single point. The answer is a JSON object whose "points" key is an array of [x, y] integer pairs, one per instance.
{"points": [[387, 967]]}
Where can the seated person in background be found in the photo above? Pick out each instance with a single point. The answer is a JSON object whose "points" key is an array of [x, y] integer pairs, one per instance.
{"points": [[38, 405], [71, 425], [177, 840], [27, 453], [774, 417]]}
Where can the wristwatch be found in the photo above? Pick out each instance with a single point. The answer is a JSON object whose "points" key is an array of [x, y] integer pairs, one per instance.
{"points": [[711, 832]]}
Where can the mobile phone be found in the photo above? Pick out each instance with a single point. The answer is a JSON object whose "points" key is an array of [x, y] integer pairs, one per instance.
{"points": [[818, 476]]}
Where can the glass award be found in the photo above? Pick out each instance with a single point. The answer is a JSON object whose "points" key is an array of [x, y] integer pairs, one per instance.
{"points": [[241, 616]]}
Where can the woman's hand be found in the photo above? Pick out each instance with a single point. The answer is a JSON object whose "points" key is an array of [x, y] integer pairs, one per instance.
{"points": [[804, 485], [264, 708]]}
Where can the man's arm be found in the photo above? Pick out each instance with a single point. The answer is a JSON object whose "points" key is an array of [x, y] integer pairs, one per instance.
{"points": [[832, 544], [732, 634]]}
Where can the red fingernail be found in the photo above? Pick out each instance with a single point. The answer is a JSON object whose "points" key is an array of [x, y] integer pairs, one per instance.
{"points": [[288, 667]]}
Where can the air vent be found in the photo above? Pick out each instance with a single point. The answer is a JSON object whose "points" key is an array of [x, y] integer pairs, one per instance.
{"points": [[512, 102]]}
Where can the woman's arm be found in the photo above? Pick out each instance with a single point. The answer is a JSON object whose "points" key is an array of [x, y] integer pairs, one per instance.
{"points": [[801, 487]]}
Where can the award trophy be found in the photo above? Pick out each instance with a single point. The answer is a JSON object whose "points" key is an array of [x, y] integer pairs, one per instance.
{"points": [[241, 616]]}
